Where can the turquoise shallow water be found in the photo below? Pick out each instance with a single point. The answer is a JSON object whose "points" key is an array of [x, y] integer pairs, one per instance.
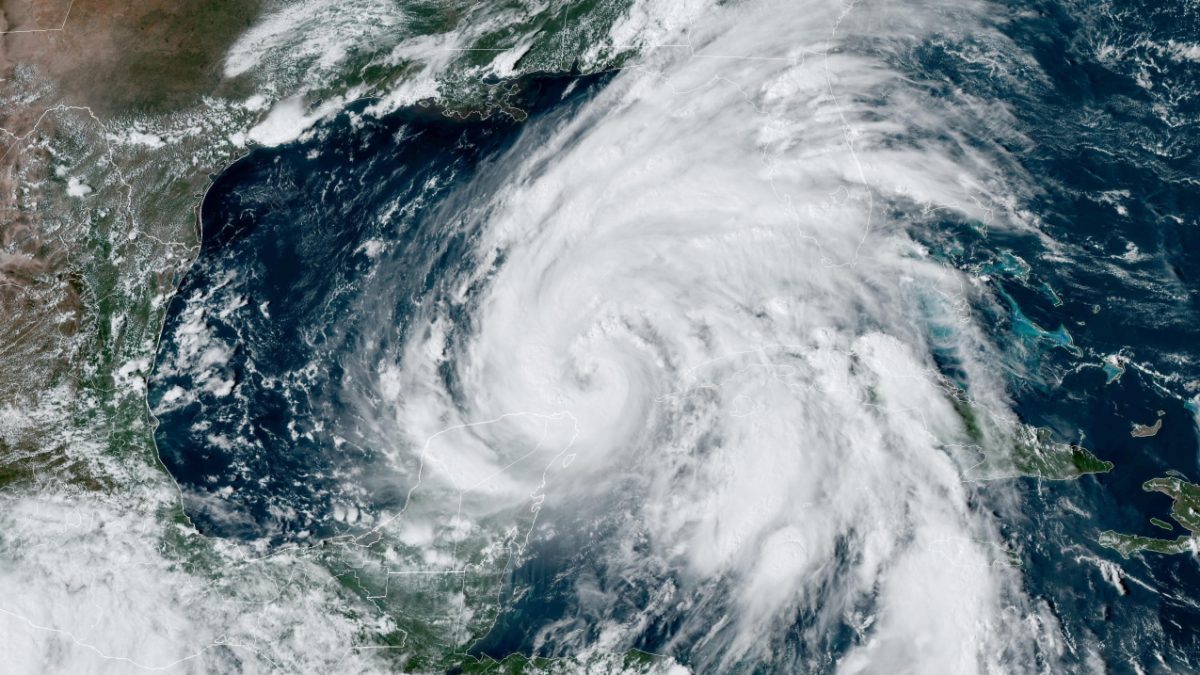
{"points": [[1111, 138], [1097, 314]]}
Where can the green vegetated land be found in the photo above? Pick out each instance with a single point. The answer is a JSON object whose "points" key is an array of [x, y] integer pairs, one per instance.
{"points": [[1185, 510], [1056, 461], [1033, 452]]}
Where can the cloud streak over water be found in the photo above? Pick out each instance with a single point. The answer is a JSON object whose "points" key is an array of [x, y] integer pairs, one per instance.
{"points": [[688, 371]]}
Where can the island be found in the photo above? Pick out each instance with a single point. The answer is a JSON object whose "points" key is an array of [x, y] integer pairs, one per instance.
{"points": [[1146, 430], [1185, 510]]}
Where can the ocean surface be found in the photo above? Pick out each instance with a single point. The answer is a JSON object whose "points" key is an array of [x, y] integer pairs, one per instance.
{"points": [[315, 255], [307, 250]]}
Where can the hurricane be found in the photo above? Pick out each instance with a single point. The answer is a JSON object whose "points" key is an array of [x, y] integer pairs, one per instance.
{"points": [[649, 337], [675, 334]]}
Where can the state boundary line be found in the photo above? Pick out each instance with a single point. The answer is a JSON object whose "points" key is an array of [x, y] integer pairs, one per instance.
{"points": [[43, 30]]}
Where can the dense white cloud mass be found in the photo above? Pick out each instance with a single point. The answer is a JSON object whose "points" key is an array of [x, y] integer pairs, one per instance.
{"points": [[97, 586], [703, 333], [706, 274]]}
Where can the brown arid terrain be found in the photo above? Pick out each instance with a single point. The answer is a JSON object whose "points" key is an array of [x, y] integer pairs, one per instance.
{"points": [[93, 232], [121, 57]]}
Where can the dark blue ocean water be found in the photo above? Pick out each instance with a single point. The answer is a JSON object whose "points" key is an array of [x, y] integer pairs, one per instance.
{"points": [[307, 251], [1109, 134], [1111, 138]]}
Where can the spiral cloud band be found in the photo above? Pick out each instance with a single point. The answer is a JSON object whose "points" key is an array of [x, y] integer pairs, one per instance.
{"points": [[668, 353], [704, 336]]}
